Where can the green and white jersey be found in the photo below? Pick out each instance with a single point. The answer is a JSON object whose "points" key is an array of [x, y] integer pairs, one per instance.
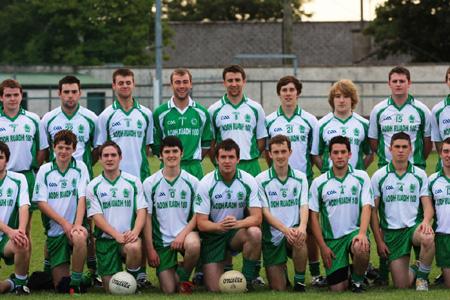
{"points": [[61, 191], [299, 128], [340, 201], [413, 118], [440, 120], [355, 128], [13, 194], [24, 135], [400, 205], [439, 188], [283, 198], [132, 131], [191, 125], [82, 123], [170, 204], [116, 200], [244, 123], [218, 199]]}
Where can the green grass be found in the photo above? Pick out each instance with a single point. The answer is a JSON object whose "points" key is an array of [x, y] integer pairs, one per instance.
{"points": [[38, 239]]}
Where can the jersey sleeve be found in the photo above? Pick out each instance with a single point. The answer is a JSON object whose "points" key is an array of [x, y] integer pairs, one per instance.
{"points": [[207, 134], [304, 194], [93, 205], [367, 193], [140, 200], [157, 133], [424, 191], [262, 192], [202, 203], [84, 180], [24, 198], [43, 141], [40, 188], [316, 140], [313, 197], [261, 129], [147, 187], [373, 124], [101, 132], [149, 133], [375, 185], [427, 130], [255, 198]]}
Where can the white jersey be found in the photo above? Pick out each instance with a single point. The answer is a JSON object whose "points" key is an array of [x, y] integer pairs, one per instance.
{"points": [[355, 128], [440, 121], [13, 194], [218, 199], [61, 192], [170, 204], [299, 128], [283, 198], [413, 118], [400, 205], [83, 123], [24, 135], [439, 188], [244, 123], [132, 131], [340, 201], [117, 201]]}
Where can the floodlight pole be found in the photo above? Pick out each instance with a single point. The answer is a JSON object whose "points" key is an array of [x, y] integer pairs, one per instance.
{"points": [[157, 82]]}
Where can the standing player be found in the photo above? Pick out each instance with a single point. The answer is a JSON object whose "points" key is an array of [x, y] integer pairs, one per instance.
{"points": [[342, 98], [185, 119], [116, 203], [438, 186], [14, 243], [343, 197], [405, 209], [60, 193], [169, 228], [228, 211], [284, 193]]}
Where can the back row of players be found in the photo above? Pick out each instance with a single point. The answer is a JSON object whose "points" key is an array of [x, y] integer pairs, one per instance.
{"points": [[134, 129]]}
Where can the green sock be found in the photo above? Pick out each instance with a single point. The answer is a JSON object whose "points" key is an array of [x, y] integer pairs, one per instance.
{"points": [[299, 277], [248, 268], [75, 279], [424, 271], [47, 267], [20, 280], [414, 269], [183, 274], [314, 268], [228, 267], [383, 271], [257, 269], [356, 278], [198, 266], [134, 272], [91, 263]]}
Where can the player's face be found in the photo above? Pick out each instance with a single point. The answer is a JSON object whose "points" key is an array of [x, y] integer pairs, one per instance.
{"points": [[234, 84], [399, 84], [3, 162], [124, 86], [63, 152], [227, 161], [445, 155], [288, 95], [171, 156], [11, 98], [279, 154], [339, 155], [342, 103], [110, 159], [400, 150], [447, 82], [70, 95], [181, 85]]}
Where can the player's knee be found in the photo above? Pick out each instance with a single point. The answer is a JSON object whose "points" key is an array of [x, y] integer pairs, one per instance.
{"points": [[254, 234], [133, 248], [427, 240], [79, 239], [193, 246]]}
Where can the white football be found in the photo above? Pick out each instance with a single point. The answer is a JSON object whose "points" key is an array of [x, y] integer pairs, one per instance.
{"points": [[122, 283], [232, 282]]}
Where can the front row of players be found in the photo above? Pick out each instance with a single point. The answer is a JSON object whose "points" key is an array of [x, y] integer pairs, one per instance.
{"points": [[227, 214]]}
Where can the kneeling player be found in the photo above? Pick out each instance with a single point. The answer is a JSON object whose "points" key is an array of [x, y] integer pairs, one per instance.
{"points": [[116, 203], [343, 197], [284, 193]]}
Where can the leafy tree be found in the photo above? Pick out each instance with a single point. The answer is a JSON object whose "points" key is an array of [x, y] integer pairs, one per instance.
{"points": [[418, 28]]}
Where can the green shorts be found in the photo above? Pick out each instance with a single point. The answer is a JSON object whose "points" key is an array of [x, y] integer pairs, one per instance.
{"points": [[214, 246], [399, 241], [442, 246], [274, 255], [193, 167], [341, 249], [167, 258], [59, 250], [109, 256], [31, 178], [9, 261], [250, 166]]}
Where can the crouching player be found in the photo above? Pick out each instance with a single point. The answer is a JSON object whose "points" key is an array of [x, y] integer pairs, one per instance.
{"points": [[116, 203], [284, 194], [170, 194], [60, 193], [14, 244], [343, 197]]}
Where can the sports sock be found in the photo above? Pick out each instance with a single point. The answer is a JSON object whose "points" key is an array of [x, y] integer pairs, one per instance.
{"points": [[257, 268], [228, 267], [299, 277], [383, 271], [134, 272], [47, 266], [75, 279], [424, 271], [183, 274], [248, 268], [314, 268], [356, 278], [20, 280], [142, 273], [91, 263]]}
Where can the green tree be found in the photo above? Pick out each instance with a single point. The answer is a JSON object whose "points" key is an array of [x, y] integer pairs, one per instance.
{"points": [[418, 28], [230, 10]]}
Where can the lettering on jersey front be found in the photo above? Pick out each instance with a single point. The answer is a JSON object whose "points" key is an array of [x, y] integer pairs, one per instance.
{"points": [[127, 133], [69, 126], [116, 203], [401, 198], [442, 201], [16, 138], [6, 202]]}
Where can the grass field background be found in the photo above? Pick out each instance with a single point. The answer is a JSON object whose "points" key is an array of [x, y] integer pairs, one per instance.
{"points": [[38, 238]]}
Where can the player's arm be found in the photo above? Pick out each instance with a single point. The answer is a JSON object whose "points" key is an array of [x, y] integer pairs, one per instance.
{"points": [[267, 157], [318, 161], [41, 156], [205, 225], [178, 242], [304, 217], [94, 154], [361, 237], [81, 209], [18, 236], [427, 147], [428, 213], [152, 255], [205, 151], [261, 145], [373, 144], [438, 146], [212, 151], [274, 222], [133, 235], [382, 249], [49, 212], [104, 226], [326, 252], [368, 159]]}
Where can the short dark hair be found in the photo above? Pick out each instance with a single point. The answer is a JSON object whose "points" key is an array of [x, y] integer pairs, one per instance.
{"points": [[279, 140], [288, 79], [446, 141], [170, 141], [400, 70], [181, 72], [233, 69], [227, 145], [66, 136], [69, 79], [10, 83], [446, 74], [122, 72], [401, 136], [107, 144], [339, 139], [5, 150]]}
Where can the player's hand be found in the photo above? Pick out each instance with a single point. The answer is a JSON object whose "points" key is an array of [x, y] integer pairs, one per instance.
{"points": [[291, 235], [425, 228], [178, 243], [301, 235], [228, 223], [153, 258], [19, 238], [79, 229], [363, 242], [120, 238], [67, 228], [327, 256], [130, 237], [383, 250]]}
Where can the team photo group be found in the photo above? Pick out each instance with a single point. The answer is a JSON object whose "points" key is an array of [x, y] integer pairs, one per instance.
{"points": [[189, 226]]}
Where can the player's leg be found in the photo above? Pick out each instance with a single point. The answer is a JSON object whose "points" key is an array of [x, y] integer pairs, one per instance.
{"points": [[105, 280], [6, 286], [446, 274], [132, 253], [60, 271], [299, 257], [79, 244], [360, 263], [399, 272], [275, 275], [427, 251], [212, 273], [338, 280], [21, 263], [313, 259], [191, 255], [168, 281]]}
